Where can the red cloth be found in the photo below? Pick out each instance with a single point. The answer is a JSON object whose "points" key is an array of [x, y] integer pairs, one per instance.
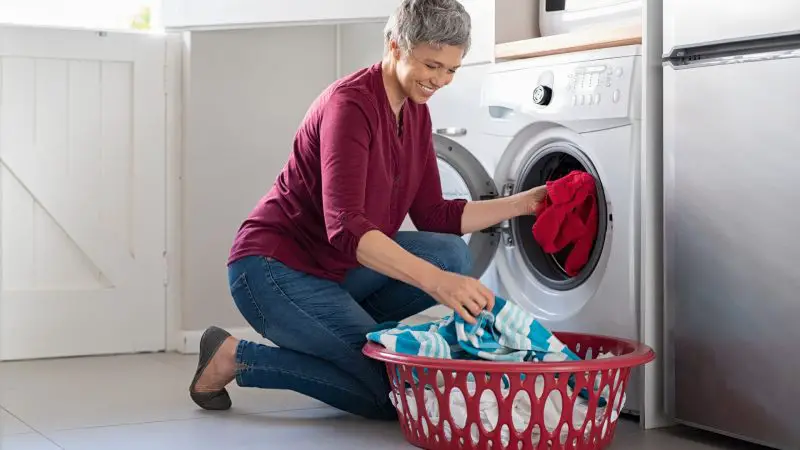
{"points": [[568, 216]]}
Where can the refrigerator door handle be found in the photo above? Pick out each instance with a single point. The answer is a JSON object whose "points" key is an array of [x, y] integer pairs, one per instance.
{"points": [[761, 49]]}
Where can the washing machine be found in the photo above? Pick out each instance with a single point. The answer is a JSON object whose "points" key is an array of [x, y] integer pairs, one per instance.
{"points": [[538, 120]]}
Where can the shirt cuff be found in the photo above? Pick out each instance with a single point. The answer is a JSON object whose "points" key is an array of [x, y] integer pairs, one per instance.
{"points": [[352, 228], [456, 216]]}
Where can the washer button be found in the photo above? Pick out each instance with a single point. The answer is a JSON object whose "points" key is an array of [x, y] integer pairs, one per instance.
{"points": [[596, 99], [574, 100], [615, 96], [619, 72]]}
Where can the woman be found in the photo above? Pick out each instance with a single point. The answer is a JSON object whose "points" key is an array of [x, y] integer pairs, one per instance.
{"points": [[319, 261]]}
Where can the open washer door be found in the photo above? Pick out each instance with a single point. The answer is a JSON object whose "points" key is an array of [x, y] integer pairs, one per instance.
{"points": [[463, 176], [530, 277]]}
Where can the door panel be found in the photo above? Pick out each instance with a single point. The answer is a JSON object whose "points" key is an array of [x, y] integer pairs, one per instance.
{"points": [[82, 151], [731, 247], [686, 22], [482, 14]]}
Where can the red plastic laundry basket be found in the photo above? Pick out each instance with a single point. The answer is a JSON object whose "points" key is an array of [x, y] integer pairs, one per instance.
{"points": [[506, 384]]}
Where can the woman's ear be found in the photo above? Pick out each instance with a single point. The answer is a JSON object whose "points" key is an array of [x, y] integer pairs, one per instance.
{"points": [[395, 49]]}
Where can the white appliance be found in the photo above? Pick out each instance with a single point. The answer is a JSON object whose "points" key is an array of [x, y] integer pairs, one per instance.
{"points": [[588, 119], [564, 16], [730, 221]]}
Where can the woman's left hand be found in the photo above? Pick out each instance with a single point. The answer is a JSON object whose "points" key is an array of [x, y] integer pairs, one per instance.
{"points": [[531, 200], [481, 214]]}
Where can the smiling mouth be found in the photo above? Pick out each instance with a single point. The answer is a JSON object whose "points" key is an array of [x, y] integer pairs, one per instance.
{"points": [[427, 90]]}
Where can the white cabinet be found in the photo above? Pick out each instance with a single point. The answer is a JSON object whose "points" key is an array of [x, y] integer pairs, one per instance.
{"points": [[498, 21], [482, 13], [493, 21], [233, 14]]}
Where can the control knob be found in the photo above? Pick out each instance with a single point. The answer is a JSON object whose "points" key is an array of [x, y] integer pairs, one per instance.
{"points": [[542, 95]]}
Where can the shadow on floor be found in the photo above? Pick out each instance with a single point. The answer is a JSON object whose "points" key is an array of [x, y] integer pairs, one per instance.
{"points": [[709, 439]]}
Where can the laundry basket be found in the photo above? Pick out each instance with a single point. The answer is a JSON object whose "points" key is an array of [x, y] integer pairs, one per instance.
{"points": [[482, 405]]}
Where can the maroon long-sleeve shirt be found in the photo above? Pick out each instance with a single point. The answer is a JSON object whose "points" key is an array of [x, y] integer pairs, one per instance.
{"points": [[349, 173]]}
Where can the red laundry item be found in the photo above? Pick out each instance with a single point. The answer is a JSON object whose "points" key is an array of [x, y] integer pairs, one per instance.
{"points": [[568, 215]]}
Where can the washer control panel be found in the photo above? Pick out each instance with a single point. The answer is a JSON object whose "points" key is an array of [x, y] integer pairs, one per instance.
{"points": [[561, 88], [590, 85]]}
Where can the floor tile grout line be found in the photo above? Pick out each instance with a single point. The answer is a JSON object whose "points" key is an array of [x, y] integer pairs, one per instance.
{"points": [[188, 419], [32, 428]]}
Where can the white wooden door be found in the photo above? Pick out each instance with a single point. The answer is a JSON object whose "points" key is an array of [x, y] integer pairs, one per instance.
{"points": [[82, 192]]}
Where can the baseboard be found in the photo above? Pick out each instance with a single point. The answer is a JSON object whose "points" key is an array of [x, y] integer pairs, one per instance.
{"points": [[190, 339]]}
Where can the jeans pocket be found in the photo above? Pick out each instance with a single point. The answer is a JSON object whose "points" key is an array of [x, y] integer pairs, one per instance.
{"points": [[247, 303]]}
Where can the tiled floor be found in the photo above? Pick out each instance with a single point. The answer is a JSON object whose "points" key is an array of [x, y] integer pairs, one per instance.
{"points": [[141, 402]]}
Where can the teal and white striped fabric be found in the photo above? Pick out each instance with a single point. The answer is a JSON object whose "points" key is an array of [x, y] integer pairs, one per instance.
{"points": [[507, 333]]}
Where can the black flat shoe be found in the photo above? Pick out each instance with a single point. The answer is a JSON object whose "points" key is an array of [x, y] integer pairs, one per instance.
{"points": [[210, 343]]}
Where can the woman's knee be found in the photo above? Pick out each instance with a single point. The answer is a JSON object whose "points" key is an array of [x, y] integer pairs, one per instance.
{"points": [[448, 251], [458, 255], [454, 253]]}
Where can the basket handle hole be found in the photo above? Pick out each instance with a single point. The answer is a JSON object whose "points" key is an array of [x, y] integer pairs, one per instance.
{"points": [[522, 402], [474, 433], [490, 410], [458, 408], [554, 403]]}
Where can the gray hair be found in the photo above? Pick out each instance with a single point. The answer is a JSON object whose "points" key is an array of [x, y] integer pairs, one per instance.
{"points": [[433, 22]]}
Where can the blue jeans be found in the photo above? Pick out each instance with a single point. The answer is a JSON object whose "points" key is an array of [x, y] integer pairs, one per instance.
{"points": [[320, 326]]}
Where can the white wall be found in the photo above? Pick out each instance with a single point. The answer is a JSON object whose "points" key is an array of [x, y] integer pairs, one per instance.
{"points": [[516, 20], [361, 44], [248, 91]]}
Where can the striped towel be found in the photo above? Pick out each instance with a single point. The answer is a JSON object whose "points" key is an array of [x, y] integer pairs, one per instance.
{"points": [[506, 333]]}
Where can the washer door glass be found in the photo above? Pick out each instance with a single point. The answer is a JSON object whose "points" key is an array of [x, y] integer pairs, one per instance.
{"points": [[540, 153], [552, 162]]}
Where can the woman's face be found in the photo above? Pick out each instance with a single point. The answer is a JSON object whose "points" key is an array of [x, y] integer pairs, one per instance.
{"points": [[426, 69]]}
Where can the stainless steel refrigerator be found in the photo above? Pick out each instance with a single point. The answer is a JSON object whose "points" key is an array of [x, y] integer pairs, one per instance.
{"points": [[732, 216]]}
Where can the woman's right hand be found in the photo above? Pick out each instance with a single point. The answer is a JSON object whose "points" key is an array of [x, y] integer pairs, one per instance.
{"points": [[464, 295]]}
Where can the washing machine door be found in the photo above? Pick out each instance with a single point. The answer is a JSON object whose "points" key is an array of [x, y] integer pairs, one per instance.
{"points": [[530, 277], [463, 176]]}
